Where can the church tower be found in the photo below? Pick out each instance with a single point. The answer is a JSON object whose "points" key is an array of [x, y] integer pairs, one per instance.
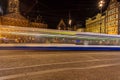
{"points": [[13, 6]]}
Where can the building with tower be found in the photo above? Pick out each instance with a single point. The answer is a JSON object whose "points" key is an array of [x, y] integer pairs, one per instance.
{"points": [[14, 18], [62, 25]]}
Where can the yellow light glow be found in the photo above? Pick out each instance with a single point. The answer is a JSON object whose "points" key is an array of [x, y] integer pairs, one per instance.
{"points": [[101, 3], [70, 22]]}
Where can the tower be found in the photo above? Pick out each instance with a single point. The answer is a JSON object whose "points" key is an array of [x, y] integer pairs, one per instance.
{"points": [[13, 6], [61, 25]]}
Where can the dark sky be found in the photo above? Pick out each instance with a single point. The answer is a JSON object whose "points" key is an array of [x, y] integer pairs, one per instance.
{"points": [[53, 10]]}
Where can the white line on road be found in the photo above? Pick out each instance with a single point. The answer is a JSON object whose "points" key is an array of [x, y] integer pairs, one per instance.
{"points": [[61, 63], [55, 70]]}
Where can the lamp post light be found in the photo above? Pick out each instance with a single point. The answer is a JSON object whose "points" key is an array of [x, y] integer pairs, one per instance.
{"points": [[101, 4]]}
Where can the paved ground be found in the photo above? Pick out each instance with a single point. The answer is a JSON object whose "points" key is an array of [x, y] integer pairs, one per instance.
{"points": [[59, 65]]}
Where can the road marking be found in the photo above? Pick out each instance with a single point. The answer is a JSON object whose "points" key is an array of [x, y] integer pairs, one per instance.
{"points": [[29, 53], [61, 63], [55, 70]]}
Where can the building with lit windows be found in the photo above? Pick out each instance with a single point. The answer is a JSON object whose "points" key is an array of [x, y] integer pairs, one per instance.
{"points": [[112, 19], [96, 24], [14, 18], [107, 22]]}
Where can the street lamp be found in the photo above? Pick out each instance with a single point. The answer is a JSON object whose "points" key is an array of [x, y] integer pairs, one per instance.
{"points": [[101, 4]]}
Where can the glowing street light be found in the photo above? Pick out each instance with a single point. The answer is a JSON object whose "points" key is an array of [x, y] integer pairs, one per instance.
{"points": [[70, 22], [100, 5]]}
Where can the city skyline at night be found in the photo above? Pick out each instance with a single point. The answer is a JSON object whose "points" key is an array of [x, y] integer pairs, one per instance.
{"points": [[53, 11]]}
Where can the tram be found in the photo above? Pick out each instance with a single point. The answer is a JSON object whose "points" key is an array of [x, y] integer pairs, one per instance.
{"points": [[14, 34]]}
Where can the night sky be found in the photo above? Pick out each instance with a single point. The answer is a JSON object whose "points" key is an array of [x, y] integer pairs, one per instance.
{"points": [[53, 10]]}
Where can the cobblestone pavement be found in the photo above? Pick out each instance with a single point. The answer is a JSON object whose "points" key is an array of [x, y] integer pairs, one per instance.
{"points": [[59, 65]]}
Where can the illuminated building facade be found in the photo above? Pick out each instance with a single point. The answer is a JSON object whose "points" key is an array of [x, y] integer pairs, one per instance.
{"points": [[112, 19], [81, 30], [14, 18], [107, 22], [96, 24]]}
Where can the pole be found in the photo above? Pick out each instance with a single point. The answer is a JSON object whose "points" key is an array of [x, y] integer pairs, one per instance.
{"points": [[101, 3], [101, 20]]}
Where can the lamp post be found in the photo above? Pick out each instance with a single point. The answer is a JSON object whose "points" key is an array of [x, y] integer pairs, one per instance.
{"points": [[101, 4]]}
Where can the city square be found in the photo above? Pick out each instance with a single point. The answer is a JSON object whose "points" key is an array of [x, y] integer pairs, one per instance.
{"points": [[59, 40]]}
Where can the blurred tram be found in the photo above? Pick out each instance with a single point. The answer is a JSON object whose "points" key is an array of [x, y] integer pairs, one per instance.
{"points": [[14, 34]]}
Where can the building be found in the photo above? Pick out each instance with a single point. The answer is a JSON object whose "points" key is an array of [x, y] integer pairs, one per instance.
{"points": [[96, 24], [63, 25], [112, 17], [107, 22], [14, 18], [81, 30]]}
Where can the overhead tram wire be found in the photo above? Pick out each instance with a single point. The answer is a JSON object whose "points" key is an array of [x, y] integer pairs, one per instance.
{"points": [[30, 8], [35, 3]]}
